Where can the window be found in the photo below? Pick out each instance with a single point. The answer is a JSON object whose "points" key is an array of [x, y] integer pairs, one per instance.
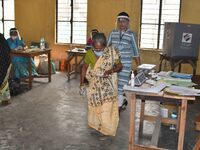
{"points": [[71, 21], [7, 16], [154, 15]]}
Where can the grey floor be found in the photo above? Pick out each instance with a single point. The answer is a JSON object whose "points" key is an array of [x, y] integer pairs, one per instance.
{"points": [[54, 117]]}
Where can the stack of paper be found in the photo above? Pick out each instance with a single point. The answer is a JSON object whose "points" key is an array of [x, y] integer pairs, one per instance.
{"points": [[166, 77], [154, 89], [183, 91], [146, 66], [181, 75]]}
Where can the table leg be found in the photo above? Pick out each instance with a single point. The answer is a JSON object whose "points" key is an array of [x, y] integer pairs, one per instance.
{"points": [[182, 124], [194, 68], [76, 66], [178, 119], [161, 61], [172, 65], [197, 145], [69, 58], [132, 121], [179, 68], [142, 116], [30, 73], [49, 66]]}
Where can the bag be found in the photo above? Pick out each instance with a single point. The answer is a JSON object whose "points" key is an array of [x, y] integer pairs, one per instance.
{"points": [[43, 67], [16, 88]]}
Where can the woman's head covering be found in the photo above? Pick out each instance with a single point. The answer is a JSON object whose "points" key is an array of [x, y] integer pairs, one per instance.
{"points": [[123, 15], [99, 38]]}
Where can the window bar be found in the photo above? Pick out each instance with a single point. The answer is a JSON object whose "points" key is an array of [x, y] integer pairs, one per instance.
{"points": [[56, 21], [71, 21], [3, 17], [159, 23], [180, 10], [141, 6]]}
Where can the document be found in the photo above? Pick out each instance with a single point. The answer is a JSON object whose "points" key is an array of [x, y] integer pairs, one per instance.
{"points": [[185, 91], [154, 89]]}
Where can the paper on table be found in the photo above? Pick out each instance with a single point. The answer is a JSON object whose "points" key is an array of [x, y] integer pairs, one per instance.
{"points": [[164, 112], [78, 50], [164, 74], [165, 77], [183, 91], [146, 66], [181, 75], [155, 89], [32, 50], [178, 82]]}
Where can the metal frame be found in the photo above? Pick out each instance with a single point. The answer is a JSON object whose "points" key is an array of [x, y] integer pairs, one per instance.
{"points": [[159, 21], [71, 22], [2, 19], [56, 21]]}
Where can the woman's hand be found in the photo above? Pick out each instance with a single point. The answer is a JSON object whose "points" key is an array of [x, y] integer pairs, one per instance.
{"points": [[83, 74], [82, 90], [25, 47], [108, 72], [19, 47], [116, 68]]}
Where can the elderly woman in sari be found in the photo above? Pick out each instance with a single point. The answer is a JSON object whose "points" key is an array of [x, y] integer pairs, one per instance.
{"points": [[20, 64], [5, 66], [100, 67]]}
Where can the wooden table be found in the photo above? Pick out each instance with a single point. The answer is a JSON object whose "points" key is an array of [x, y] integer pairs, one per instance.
{"points": [[74, 54], [30, 54], [161, 96]]}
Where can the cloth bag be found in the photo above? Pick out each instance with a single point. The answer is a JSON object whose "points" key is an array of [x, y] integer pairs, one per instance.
{"points": [[43, 66]]}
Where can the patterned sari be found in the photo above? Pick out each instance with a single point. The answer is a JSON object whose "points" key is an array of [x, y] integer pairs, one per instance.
{"points": [[102, 94], [4, 88]]}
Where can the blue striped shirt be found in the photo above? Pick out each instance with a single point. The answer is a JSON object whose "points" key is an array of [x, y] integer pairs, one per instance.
{"points": [[126, 44]]}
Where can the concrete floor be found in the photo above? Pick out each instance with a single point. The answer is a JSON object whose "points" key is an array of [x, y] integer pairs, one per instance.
{"points": [[54, 117]]}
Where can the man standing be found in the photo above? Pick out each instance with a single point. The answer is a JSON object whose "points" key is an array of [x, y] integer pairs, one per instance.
{"points": [[123, 39]]}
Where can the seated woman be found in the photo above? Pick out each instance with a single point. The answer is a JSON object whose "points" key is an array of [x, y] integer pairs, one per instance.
{"points": [[20, 64], [100, 67], [5, 66]]}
